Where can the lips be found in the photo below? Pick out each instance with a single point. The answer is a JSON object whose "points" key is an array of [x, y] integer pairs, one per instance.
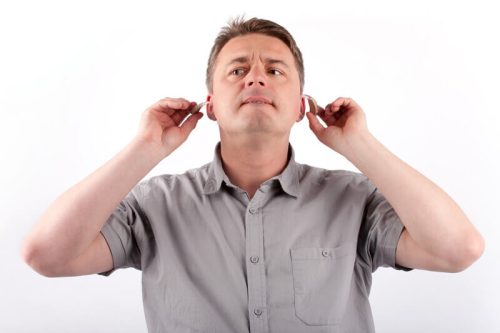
{"points": [[257, 100]]}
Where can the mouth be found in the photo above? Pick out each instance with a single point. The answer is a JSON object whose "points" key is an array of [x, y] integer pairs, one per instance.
{"points": [[257, 100]]}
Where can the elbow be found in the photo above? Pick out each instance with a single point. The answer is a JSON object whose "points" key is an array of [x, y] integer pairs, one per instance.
{"points": [[470, 250], [33, 257]]}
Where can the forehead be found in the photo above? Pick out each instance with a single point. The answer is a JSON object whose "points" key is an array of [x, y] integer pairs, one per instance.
{"points": [[255, 44]]}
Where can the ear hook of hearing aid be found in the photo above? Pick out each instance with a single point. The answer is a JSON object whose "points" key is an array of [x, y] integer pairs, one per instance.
{"points": [[313, 106], [197, 107]]}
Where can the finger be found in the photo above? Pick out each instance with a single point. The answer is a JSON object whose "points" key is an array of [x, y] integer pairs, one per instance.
{"points": [[339, 113], [328, 115], [321, 111], [168, 117], [197, 107], [329, 120], [178, 103], [179, 115], [190, 123], [339, 107], [339, 101], [343, 103], [326, 112], [171, 105]]}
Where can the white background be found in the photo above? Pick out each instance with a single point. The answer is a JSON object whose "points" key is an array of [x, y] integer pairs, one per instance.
{"points": [[76, 76]]}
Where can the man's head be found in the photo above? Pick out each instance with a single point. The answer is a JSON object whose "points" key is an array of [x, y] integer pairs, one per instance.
{"points": [[255, 78], [240, 27]]}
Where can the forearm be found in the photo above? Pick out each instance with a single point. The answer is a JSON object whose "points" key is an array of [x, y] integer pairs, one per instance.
{"points": [[75, 219], [434, 221]]}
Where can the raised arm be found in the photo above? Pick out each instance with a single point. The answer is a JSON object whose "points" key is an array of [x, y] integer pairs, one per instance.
{"points": [[438, 235], [66, 239]]}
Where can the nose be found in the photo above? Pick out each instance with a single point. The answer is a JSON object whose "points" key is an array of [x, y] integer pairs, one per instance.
{"points": [[256, 77]]}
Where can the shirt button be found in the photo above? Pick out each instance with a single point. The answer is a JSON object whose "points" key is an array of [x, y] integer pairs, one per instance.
{"points": [[324, 253], [254, 259], [253, 210], [257, 312]]}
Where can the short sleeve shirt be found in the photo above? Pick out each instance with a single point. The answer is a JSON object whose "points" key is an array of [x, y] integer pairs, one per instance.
{"points": [[296, 257]]}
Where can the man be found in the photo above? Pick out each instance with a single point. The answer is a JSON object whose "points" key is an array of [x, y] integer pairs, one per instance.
{"points": [[254, 241]]}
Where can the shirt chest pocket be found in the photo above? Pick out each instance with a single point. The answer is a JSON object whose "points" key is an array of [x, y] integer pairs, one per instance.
{"points": [[322, 282]]}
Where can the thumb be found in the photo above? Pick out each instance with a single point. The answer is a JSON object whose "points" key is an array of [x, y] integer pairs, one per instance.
{"points": [[314, 124], [190, 123]]}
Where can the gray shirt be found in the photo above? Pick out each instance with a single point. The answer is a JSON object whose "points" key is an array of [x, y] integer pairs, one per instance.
{"points": [[297, 257]]}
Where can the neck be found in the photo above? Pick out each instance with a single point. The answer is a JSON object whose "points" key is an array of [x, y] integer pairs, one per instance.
{"points": [[249, 163]]}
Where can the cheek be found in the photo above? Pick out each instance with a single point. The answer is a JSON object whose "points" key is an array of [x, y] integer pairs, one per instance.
{"points": [[292, 101], [225, 96], [219, 105]]}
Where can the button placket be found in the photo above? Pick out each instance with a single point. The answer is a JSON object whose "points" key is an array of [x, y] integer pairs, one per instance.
{"points": [[256, 278]]}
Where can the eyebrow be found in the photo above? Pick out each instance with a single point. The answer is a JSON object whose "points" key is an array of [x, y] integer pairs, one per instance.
{"points": [[243, 60]]}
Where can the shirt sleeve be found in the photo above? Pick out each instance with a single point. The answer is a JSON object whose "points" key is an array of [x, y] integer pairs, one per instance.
{"points": [[119, 231], [380, 231]]}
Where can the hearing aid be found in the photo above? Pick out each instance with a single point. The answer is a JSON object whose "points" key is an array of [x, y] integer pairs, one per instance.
{"points": [[197, 107], [313, 105]]}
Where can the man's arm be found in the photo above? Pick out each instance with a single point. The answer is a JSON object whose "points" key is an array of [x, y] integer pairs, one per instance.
{"points": [[66, 240], [437, 236]]}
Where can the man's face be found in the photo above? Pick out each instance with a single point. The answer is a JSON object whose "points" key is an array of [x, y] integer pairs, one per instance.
{"points": [[256, 87]]}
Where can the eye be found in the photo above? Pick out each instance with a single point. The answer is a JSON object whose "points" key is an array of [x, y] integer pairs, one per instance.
{"points": [[238, 71], [275, 72]]}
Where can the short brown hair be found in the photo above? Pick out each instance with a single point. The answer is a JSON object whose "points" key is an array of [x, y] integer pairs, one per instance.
{"points": [[239, 27]]}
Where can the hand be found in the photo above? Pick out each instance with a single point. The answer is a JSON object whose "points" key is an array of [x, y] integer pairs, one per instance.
{"points": [[160, 124], [345, 121]]}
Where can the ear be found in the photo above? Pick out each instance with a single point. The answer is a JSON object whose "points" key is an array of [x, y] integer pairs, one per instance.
{"points": [[302, 109], [210, 109]]}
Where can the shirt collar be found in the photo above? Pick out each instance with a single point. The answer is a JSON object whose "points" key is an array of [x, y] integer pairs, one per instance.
{"points": [[288, 178]]}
